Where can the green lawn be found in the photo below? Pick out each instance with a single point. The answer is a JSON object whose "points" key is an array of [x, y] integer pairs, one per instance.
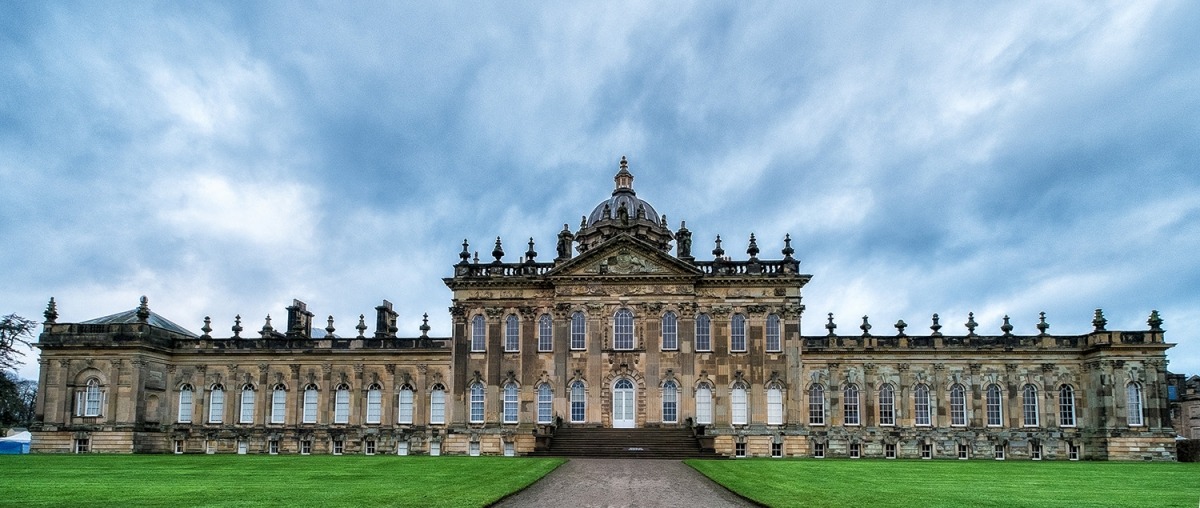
{"points": [[924, 483], [249, 480]]}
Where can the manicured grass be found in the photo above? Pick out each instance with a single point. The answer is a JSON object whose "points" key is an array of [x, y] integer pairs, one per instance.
{"points": [[924, 483], [255, 480]]}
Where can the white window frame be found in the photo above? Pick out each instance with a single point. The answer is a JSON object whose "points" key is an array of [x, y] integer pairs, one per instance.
{"points": [[994, 405], [186, 398], [405, 404], [437, 405], [578, 402], [851, 415], [1134, 404], [670, 331], [477, 402], [774, 405], [545, 404], [311, 398], [216, 404], [578, 331], [1066, 406], [887, 405], [478, 334], [704, 404], [374, 404], [1029, 406], [774, 345], [341, 404], [738, 404], [545, 334], [958, 405], [512, 334], [93, 398], [247, 410], [922, 408], [816, 404], [737, 333], [278, 404], [623, 330], [670, 402], [511, 403], [703, 333]]}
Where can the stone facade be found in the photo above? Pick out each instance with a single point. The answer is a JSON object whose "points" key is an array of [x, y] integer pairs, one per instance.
{"points": [[623, 328]]}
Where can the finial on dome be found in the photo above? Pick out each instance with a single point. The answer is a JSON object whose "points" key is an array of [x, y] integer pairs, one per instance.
{"points": [[143, 310], [624, 178]]}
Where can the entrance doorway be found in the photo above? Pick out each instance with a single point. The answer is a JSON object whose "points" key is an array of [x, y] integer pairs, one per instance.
{"points": [[623, 405]]}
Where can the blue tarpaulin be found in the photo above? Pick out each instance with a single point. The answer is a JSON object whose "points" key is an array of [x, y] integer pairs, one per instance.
{"points": [[15, 444]]}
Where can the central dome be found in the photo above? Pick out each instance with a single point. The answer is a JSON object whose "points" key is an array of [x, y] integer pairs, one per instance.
{"points": [[624, 213], [623, 198]]}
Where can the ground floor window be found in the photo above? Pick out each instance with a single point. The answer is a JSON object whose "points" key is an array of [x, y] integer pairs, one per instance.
{"points": [[82, 445], [739, 449], [510, 450], [305, 447], [818, 450], [962, 452], [926, 451], [776, 449], [369, 447], [473, 448], [178, 446], [273, 447], [855, 450], [1072, 451], [243, 447], [889, 451], [435, 449], [338, 446], [210, 446], [402, 448], [1035, 452], [999, 452]]}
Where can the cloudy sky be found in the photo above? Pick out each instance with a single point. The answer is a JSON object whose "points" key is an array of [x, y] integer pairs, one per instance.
{"points": [[226, 158]]}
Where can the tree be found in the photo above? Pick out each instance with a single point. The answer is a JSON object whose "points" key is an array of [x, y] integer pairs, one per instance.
{"points": [[14, 330], [17, 399]]}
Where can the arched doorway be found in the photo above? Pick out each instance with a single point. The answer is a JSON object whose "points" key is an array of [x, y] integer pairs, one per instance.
{"points": [[623, 406]]}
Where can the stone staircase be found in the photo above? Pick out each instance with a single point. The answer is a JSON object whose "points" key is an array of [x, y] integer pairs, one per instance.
{"points": [[625, 444]]}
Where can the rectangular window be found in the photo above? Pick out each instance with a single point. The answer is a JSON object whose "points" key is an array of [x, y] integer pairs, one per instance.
{"points": [[737, 333], [998, 452], [777, 450], [855, 450], [850, 405], [437, 407], [473, 448], [738, 401], [774, 406], [402, 448], [247, 415], [341, 406], [739, 449], [670, 332], [926, 451], [216, 406], [703, 333], [278, 405], [958, 406], [310, 405], [406, 406], [435, 449], [670, 404], [1072, 451], [1035, 452], [178, 446], [887, 406], [578, 331], [510, 450], [962, 452], [545, 334], [478, 338], [623, 329], [773, 343], [889, 451], [185, 406], [512, 334], [242, 447], [818, 450], [704, 405], [1066, 406], [369, 447], [511, 402], [816, 405], [578, 402], [305, 447], [374, 405], [273, 447], [338, 446], [993, 406], [82, 445], [210, 446]]}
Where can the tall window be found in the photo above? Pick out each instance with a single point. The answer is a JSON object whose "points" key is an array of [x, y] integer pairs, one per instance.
{"points": [[545, 333], [578, 402], [545, 412], [1066, 406], [247, 415], [510, 403], [437, 405], [994, 402], [887, 405], [958, 405], [216, 404], [670, 402], [185, 404], [92, 396], [773, 344], [670, 332], [774, 405], [1133, 404], [374, 404], [738, 403], [478, 333], [341, 404], [278, 404], [816, 405], [1029, 406], [704, 404], [578, 331], [703, 333], [850, 406], [476, 402], [623, 329], [512, 333], [921, 405], [404, 405], [310, 404], [737, 333]]}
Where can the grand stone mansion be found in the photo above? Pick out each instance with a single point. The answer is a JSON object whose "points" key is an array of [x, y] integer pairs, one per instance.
{"points": [[625, 328]]}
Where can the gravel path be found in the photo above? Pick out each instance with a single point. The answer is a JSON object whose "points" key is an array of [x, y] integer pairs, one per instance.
{"points": [[625, 482]]}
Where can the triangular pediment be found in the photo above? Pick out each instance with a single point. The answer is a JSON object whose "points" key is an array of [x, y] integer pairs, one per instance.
{"points": [[624, 256]]}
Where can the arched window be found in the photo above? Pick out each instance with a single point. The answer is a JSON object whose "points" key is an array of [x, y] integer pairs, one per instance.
{"points": [[816, 404], [578, 402], [737, 333], [921, 409], [670, 332], [92, 398], [216, 404], [310, 404], [704, 404], [703, 333], [247, 413], [374, 404], [341, 404], [437, 405], [670, 402], [185, 404], [1029, 406], [545, 406], [476, 413], [850, 405], [1133, 404], [737, 401], [545, 333], [774, 405], [404, 405], [773, 344], [478, 333], [1066, 406], [887, 405], [958, 405], [995, 404], [512, 333], [578, 331], [510, 403], [623, 329], [278, 404]]}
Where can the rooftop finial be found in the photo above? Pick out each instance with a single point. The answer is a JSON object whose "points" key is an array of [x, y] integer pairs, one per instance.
{"points": [[143, 310], [718, 252], [466, 253], [1155, 320], [1042, 324], [425, 326], [530, 254], [207, 328], [51, 312], [787, 247], [1099, 322], [329, 329], [237, 326], [498, 252], [752, 250], [624, 178]]}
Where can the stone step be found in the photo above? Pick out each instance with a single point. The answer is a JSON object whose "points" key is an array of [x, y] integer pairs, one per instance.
{"points": [[625, 443]]}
